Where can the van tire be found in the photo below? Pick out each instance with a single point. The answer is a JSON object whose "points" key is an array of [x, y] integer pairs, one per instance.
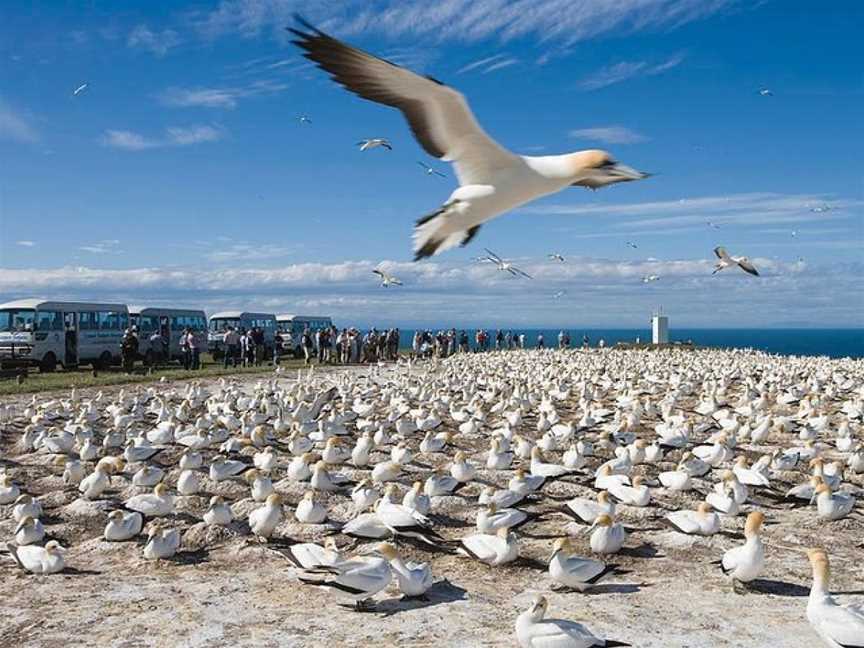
{"points": [[48, 364], [104, 361]]}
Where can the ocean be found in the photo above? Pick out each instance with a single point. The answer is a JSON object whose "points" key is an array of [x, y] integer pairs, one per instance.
{"points": [[834, 343]]}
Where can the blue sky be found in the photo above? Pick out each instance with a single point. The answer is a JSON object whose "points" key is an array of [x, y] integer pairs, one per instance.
{"points": [[182, 174]]}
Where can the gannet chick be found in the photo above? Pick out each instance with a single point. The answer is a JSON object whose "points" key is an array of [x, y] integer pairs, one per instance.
{"points": [[361, 578], [746, 562], [39, 560], [161, 542], [703, 521], [461, 469], [26, 506], [29, 531], [155, 504], [222, 468], [189, 482], [832, 506], [574, 572], [147, 476], [636, 495], [417, 500], [94, 484], [264, 520], [218, 512], [265, 460], [309, 511], [414, 578], [123, 526], [607, 536], [586, 510], [493, 550], [839, 626], [9, 491], [260, 484], [535, 631]]}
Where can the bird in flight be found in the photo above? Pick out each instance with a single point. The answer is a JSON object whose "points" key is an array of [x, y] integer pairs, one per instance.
{"points": [[492, 180], [387, 279], [304, 119], [505, 266], [559, 294], [714, 225], [367, 144], [81, 88], [650, 278], [765, 92], [556, 257], [430, 170], [821, 209], [794, 233], [632, 245], [726, 261]]}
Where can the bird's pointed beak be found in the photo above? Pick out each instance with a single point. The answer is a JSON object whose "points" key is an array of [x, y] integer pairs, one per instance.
{"points": [[554, 553], [623, 173]]}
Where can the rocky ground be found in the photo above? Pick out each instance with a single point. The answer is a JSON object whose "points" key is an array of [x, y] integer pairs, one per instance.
{"points": [[225, 589]]}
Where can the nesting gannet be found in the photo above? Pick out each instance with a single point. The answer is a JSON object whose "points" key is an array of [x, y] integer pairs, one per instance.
{"points": [[309, 511], [523, 484], [264, 519], [832, 506], [575, 572], [265, 460], [586, 510], [746, 562], [404, 521], [703, 521], [324, 481], [218, 512], [222, 468], [73, 471], [189, 482], [123, 526], [9, 490], [29, 531], [39, 560], [161, 542], [147, 476], [461, 469], [490, 519], [607, 535], [494, 550], [94, 484], [533, 630], [260, 484], [156, 504], [726, 261], [839, 626], [26, 506], [374, 142], [307, 555], [360, 578], [299, 469], [413, 578], [439, 483], [416, 499], [636, 495], [387, 279], [492, 180], [366, 526]]}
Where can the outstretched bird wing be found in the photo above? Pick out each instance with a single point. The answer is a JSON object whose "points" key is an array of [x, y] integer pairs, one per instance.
{"points": [[493, 257], [438, 115], [722, 254], [746, 266]]}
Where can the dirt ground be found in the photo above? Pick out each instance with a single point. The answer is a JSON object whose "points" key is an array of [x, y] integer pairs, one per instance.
{"points": [[224, 589]]}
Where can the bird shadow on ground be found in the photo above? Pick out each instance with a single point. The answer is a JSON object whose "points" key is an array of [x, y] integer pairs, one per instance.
{"points": [[617, 588], [645, 550], [441, 592], [449, 521], [74, 571], [190, 557], [734, 535], [777, 588]]}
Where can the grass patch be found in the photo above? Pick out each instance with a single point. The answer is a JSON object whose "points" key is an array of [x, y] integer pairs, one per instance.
{"points": [[63, 380]]}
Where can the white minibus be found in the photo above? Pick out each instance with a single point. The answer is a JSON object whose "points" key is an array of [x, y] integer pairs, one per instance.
{"points": [[169, 324]]}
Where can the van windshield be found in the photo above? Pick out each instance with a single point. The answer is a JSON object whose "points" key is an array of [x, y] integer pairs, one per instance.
{"points": [[218, 324], [16, 320]]}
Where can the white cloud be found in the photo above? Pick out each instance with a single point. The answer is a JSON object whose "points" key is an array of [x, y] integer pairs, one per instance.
{"points": [[463, 20], [155, 42], [625, 70], [249, 252], [108, 246], [218, 97], [173, 136], [500, 65], [608, 135], [16, 127], [26, 243]]}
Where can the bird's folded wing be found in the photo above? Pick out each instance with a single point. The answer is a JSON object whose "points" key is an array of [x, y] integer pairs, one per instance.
{"points": [[843, 625], [364, 578], [558, 633], [438, 115]]}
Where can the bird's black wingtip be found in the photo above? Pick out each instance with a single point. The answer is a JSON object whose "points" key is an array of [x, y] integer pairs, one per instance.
{"points": [[306, 25]]}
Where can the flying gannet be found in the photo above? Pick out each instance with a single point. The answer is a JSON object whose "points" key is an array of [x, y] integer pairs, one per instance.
{"points": [[374, 142], [387, 279], [726, 261], [492, 179]]}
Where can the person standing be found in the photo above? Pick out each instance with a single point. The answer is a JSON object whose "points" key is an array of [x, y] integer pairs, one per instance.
{"points": [[232, 347], [540, 342], [157, 346], [186, 349], [308, 345], [195, 346], [129, 350]]}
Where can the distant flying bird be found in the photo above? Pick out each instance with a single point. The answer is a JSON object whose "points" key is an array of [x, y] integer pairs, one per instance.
{"points": [[374, 142], [304, 119], [492, 180], [556, 257], [714, 225], [505, 266], [387, 280], [650, 278], [726, 261], [80, 89], [632, 245], [559, 294], [794, 233], [430, 170], [765, 92], [821, 209]]}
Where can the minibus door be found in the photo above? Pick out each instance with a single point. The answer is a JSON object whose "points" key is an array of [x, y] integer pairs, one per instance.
{"points": [[70, 325]]}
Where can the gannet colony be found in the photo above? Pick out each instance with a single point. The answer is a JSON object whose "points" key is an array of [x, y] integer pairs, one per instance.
{"points": [[531, 498]]}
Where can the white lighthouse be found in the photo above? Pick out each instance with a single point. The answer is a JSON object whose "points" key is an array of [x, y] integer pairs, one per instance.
{"points": [[659, 329]]}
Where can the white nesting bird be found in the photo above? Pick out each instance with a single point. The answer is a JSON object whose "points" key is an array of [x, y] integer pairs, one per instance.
{"points": [[218, 512], [746, 562], [703, 521], [534, 630], [575, 572], [264, 520], [39, 560], [492, 180], [123, 525], [494, 550], [414, 578], [161, 542], [360, 578]]}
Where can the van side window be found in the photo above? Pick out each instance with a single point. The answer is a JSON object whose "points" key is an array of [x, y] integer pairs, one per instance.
{"points": [[88, 322], [49, 321]]}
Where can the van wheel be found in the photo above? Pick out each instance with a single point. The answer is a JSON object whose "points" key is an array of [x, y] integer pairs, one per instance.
{"points": [[48, 364], [105, 360]]}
